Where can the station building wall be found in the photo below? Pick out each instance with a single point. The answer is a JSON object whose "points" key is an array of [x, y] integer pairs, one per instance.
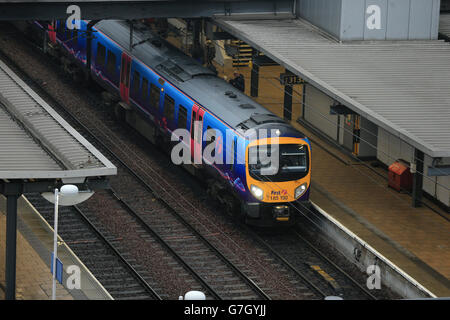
{"points": [[317, 111], [338, 127], [375, 142], [373, 19], [391, 148]]}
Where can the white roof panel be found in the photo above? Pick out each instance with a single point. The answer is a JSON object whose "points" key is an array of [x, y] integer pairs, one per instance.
{"points": [[402, 86], [35, 142]]}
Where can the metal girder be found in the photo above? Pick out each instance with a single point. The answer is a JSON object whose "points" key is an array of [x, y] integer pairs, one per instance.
{"points": [[141, 9], [14, 187]]}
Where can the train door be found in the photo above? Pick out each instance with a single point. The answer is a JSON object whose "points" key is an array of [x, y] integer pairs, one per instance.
{"points": [[197, 133], [125, 77], [52, 31]]}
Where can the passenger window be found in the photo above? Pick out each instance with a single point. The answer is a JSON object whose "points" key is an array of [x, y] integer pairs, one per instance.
{"points": [[154, 96], [232, 152], [169, 107], [75, 37], [136, 83], [101, 54], [111, 63], [144, 89], [182, 117], [60, 26], [67, 33]]}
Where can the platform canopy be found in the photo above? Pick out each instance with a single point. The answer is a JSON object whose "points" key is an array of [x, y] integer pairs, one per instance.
{"points": [[401, 86], [37, 143], [141, 9]]}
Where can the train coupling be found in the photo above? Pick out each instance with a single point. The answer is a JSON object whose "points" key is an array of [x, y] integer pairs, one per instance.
{"points": [[281, 213]]}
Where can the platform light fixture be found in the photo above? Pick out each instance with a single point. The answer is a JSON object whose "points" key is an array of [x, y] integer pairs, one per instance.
{"points": [[69, 195], [193, 295]]}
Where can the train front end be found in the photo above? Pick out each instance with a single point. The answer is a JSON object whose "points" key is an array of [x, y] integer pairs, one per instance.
{"points": [[278, 175]]}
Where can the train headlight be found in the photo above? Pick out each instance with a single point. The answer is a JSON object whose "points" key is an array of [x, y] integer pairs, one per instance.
{"points": [[300, 190], [257, 192]]}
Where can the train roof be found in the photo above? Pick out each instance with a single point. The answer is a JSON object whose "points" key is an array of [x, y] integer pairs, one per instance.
{"points": [[219, 97]]}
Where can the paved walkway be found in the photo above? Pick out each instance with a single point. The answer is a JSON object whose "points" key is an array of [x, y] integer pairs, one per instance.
{"points": [[33, 277], [34, 247], [416, 239]]}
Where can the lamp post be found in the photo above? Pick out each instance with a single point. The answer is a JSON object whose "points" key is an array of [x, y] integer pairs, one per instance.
{"points": [[65, 190], [67, 196]]}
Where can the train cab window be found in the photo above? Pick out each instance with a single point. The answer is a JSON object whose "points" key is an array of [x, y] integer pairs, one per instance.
{"points": [[144, 89], [154, 96], [293, 163], [101, 55], [111, 63], [182, 117], [136, 83], [169, 107]]}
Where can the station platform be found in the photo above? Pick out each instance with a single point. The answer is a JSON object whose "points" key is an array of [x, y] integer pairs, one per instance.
{"points": [[417, 240], [34, 247]]}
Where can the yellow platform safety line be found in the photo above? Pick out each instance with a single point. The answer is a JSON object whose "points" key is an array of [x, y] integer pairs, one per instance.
{"points": [[244, 55], [326, 276]]}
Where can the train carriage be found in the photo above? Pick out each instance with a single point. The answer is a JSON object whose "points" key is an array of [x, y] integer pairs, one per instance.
{"points": [[159, 90]]}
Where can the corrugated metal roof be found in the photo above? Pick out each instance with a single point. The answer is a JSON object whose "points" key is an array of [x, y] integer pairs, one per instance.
{"points": [[444, 25], [402, 86], [35, 142], [14, 140], [208, 90]]}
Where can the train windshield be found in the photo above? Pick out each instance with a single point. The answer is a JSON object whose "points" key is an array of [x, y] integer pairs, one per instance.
{"points": [[278, 163]]}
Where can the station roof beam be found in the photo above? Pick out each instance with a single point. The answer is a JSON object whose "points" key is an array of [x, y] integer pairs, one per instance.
{"points": [[141, 9]]}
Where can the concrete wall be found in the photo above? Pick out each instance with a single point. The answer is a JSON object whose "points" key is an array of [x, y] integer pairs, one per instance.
{"points": [[369, 139], [325, 14], [362, 255], [373, 19], [317, 111], [391, 148], [388, 149]]}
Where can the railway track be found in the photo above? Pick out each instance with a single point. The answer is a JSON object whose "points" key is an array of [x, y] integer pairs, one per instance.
{"points": [[222, 276], [228, 263], [97, 252], [180, 237], [322, 273]]}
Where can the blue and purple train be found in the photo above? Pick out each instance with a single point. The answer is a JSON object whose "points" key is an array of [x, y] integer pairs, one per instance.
{"points": [[159, 89]]}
